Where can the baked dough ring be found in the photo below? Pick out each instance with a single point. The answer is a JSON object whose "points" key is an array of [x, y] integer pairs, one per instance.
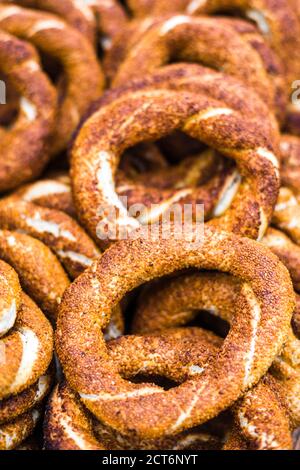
{"points": [[199, 40], [24, 146], [14, 433], [40, 272], [108, 132], [177, 301], [127, 265], [176, 354], [52, 192], [286, 250], [81, 71], [14, 406], [107, 16], [27, 350], [61, 233]]}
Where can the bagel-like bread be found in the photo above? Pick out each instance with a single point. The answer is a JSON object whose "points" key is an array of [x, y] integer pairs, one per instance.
{"points": [[130, 263], [109, 131], [55, 229], [198, 40], [55, 38], [24, 145], [106, 16], [12, 434]]}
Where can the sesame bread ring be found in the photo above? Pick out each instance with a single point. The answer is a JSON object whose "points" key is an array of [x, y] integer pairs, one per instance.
{"points": [[278, 24], [53, 193], [135, 32], [87, 17], [22, 162], [127, 265], [10, 297], [151, 191], [81, 72], [111, 19], [198, 40], [176, 354], [262, 419], [290, 163], [146, 115], [12, 434], [296, 318], [173, 354], [27, 350], [9, 109], [159, 354], [67, 425], [76, 13], [287, 251], [61, 233], [219, 294], [40, 272], [14, 406], [198, 79], [287, 214]]}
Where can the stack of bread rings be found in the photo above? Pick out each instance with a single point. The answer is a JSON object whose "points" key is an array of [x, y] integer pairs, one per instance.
{"points": [[150, 225]]}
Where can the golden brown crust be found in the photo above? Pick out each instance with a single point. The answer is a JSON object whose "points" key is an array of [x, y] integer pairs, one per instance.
{"points": [[12, 434], [53, 192], [26, 352], [32, 334], [178, 301], [108, 17], [262, 418], [14, 406], [290, 162], [287, 214], [24, 146], [130, 263], [106, 134], [196, 78], [175, 354], [276, 20], [172, 354], [198, 40], [136, 31], [40, 272], [67, 426], [81, 19], [46, 32], [61, 233], [286, 250]]}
